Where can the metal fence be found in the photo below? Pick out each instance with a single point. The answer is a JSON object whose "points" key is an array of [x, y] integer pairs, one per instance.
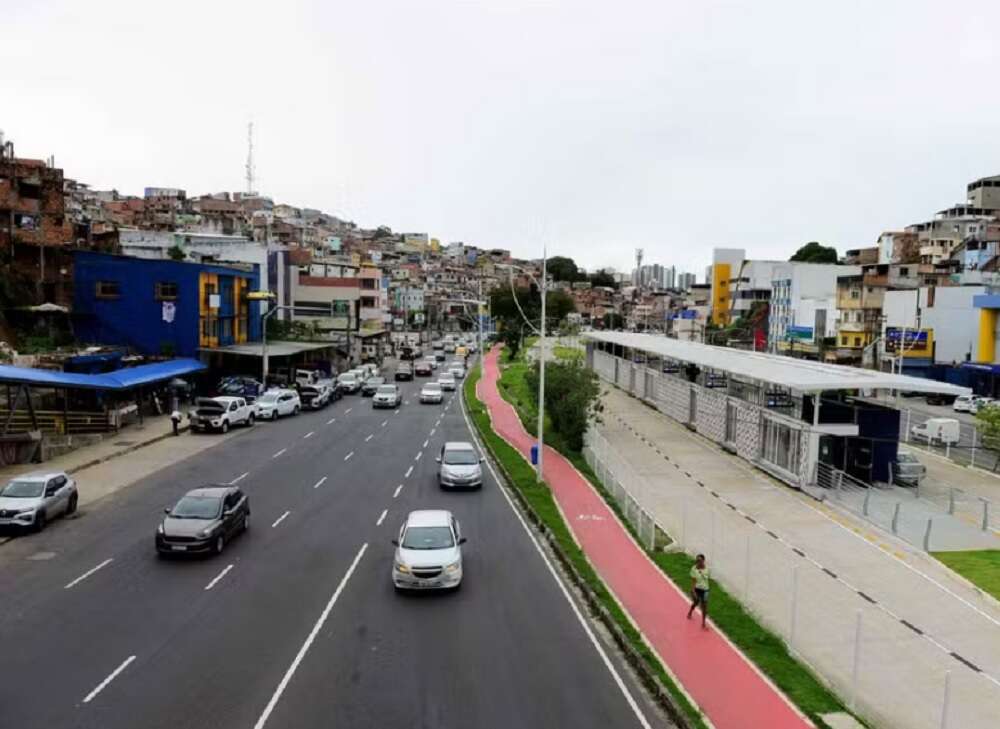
{"points": [[884, 669]]}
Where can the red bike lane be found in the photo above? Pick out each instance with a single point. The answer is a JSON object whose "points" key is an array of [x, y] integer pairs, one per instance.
{"points": [[723, 683]]}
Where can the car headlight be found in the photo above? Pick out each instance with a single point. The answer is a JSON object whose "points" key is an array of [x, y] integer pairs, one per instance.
{"points": [[23, 513], [453, 568], [402, 568], [159, 529], [205, 533]]}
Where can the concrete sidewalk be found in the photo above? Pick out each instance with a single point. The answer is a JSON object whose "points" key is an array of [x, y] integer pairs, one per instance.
{"points": [[966, 487], [809, 571]]}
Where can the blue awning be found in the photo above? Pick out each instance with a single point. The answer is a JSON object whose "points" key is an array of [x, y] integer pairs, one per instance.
{"points": [[119, 380]]}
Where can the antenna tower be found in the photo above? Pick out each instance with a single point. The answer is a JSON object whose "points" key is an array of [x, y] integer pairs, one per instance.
{"points": [[638, 266], [249, 166]]}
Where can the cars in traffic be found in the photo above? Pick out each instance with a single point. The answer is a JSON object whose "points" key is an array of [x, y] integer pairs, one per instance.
{"points": [[457, 371], [404, 371], [422, 369], [431, 392], [221, 413], [387, 396], [204, 520], [907, 469], [942, 431], [32, 500], [460, 466], [371, 385], [278, 403], [349, 382], [428, 552], [447, 381]]}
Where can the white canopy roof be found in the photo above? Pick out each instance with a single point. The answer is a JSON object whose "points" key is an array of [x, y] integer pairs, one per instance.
{"points": [[798, 374]]}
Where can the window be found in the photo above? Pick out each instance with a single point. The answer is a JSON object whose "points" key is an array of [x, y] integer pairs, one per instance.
{"points": [[857, 341], [855, 294], [165, 290], [904, 271], [843, 341], [107, 290], [210, 291]]}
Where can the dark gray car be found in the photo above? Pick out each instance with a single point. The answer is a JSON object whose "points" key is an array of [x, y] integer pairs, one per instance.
{"points": [[204, 520]]}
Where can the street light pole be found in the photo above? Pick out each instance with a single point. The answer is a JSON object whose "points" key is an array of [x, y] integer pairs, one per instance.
{"points": [[541, 376]]}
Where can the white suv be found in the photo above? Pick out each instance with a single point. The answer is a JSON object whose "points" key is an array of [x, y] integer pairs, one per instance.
{"points": [[428, 552], [220, 413], [275, 403]]}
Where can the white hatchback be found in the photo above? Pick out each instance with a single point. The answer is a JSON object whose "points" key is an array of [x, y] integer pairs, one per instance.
{"points": [[428, 552]]}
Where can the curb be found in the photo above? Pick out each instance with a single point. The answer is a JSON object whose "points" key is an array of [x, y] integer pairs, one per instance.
{"points": [[125, 451], [649, 679]]}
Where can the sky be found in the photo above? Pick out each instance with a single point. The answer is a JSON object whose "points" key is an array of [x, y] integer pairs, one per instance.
{"points": [[589, 128]]}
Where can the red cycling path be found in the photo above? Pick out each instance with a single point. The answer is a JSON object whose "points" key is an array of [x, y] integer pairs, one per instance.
{"points": [[731, 693]]}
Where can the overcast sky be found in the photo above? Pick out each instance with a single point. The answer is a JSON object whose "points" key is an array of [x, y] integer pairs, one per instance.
{"points": [[595, 127]]}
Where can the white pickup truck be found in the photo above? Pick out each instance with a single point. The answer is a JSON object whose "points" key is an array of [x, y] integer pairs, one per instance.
{"points": [[220, 413]]}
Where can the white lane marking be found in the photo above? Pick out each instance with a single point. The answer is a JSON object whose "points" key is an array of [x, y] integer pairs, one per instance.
{"points": [[369, 437], [348, 410], [89, 572], [239, 478], [309, 641], [384, 423], [279, 453], [417, 458], [348, 456], [396, 492], [433, 431], [280, 519], [555, 576], [382, 518], [319, 483], [331, 421], [308, 435], [219, 576], [101, 686], [407, 402], [396, 411], [408, 472]]}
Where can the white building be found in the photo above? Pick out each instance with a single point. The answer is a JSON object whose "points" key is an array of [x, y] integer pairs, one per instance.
{"points": [[804, 302], [946, 313]]}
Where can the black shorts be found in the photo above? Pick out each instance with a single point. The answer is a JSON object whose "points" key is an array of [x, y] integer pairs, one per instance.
{"points": [[700, 596]]}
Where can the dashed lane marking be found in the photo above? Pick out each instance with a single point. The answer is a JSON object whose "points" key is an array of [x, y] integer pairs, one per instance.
{"points": [[89, 572], [103, 684], [408, 472], [348, 410], [348, 456], [239, 478], [382, 517], [279, 453], [219, 576], [426, 442], [395, 493], [280, 519], [384, 423], [308, 435], [331, 421], [372, 435], [319, 483]]}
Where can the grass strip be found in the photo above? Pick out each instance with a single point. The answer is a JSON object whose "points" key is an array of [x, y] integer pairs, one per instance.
{"points": [[765, 649], [541, 507], [981, 568]]}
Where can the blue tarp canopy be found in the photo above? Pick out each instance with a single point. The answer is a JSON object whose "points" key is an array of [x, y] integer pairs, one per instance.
{"points": [[119, 380]]}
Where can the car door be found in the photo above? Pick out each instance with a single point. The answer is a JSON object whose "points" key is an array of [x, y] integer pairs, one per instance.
{"points": [[230, 517], [233, 414], [55, 496]]}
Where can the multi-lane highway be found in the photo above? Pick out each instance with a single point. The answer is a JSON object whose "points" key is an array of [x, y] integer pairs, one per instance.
{"points": [[296, 623]]}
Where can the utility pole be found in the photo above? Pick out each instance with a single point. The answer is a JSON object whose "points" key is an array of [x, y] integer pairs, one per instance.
{"points": [[541, 374]]}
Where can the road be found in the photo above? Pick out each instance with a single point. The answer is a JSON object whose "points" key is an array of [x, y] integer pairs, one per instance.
{"points": [[296, 624]]}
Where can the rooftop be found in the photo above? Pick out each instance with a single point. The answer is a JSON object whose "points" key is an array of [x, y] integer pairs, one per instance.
{"points": [[800, 375]]}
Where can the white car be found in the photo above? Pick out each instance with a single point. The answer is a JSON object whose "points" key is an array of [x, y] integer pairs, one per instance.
{"points": [[431, 362], [447, 381], [428, 552], [387, 396], [220, 413], [29, 501], [350, 382], [457, 370], [963, 403], [275, 403], [431, 392]]}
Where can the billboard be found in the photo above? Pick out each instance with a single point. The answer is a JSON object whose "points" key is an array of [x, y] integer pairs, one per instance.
{"points": [[333, 243], [800, 334], [916, 342]]}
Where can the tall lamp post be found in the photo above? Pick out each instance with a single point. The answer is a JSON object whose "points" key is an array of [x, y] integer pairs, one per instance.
{"points": [[271, 312]]}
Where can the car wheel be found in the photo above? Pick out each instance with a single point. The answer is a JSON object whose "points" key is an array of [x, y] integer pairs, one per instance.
{"points": [[246, 522], [225, 426], [296, 410], [71, 506], [40, 520], [250, 420], [220, 544]]}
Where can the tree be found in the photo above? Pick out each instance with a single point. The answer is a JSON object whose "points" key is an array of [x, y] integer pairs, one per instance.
{"points": [[176, 253], [613, 320], [511, 337], [557, 305], [988, 420], [571, 397], [561, 268], [602, 278], [815, 252], [383, 231]]}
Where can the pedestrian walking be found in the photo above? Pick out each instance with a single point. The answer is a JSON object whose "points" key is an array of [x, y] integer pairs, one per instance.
{"points": [[175, 420], [699, 588]]}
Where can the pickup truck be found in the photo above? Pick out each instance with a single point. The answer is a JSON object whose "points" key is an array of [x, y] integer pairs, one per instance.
{"points": [[220, 413], [317, 395]]}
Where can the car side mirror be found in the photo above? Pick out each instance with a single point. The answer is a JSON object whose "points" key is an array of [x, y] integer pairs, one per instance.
{"points": [[395, 542], [482, 459], [437, 459], [462, 540], [228, 512], [166, 509]]}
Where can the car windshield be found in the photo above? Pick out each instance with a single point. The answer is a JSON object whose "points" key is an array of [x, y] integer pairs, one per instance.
{"points": [[387, 390], [436, 537], [23, 489], [197, 507], [373, 381], [460, 457], [432, 388], [347, 376], [268, 397], [906, 458]]}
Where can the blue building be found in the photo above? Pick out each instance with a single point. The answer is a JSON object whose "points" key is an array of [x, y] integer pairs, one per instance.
{"points": [[163, 307]]}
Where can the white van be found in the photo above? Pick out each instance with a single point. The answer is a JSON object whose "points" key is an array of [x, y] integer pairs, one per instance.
{"points": [[945, 431]]}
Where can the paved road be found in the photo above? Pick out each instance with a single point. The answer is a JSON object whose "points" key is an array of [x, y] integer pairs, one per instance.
{"points": [[296, 624]]}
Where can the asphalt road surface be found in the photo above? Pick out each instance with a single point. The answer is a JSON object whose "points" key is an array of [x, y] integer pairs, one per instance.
{"points": [[296, 623]]}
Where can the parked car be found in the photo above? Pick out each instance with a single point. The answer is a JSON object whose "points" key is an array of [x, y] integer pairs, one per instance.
{"points": [[906, 469], [273, 404], [447, 381], [371, 385], [460, 466], [939, 398], [387, 396], [422, 369], [404, 371], [308, 377], [349, 382], [964, 403], [204, 520], [945, 431], [240, 386], [319, 395], [221, 413], [31, 500], [428, 552], [431, 392]]}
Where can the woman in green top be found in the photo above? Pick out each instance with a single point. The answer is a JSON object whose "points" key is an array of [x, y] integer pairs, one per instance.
{"points": [[699, 588]]}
